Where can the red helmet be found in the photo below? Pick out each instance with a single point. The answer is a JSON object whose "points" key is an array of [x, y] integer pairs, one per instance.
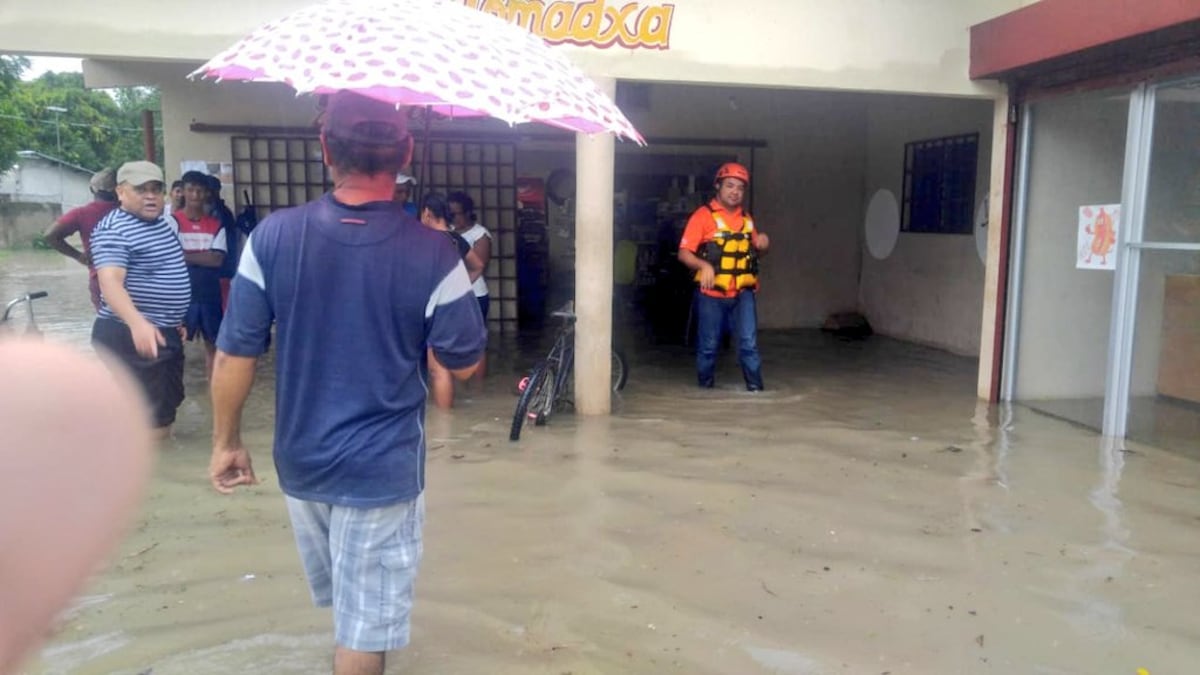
{"points": [[733, 170]]}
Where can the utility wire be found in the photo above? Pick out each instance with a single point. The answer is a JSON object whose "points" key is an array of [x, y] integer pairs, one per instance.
{"points": [[74, 124]]}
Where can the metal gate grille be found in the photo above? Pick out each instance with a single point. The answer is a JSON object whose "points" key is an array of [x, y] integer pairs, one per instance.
{"points": [[279, 172]]}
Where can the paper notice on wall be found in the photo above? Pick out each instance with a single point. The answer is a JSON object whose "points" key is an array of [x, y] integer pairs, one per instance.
{"points": [[193, 165], [1097, 249], [222, 170]]}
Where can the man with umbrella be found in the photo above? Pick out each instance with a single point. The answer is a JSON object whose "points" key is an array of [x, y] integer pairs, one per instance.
{"points": [[359, 290]]}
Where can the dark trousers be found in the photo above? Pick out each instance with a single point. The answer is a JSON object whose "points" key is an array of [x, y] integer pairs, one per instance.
{"points": [[161, 378], [716, 316]]}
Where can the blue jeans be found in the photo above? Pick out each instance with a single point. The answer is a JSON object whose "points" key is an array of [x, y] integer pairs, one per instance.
{"points": [[737, 315]]}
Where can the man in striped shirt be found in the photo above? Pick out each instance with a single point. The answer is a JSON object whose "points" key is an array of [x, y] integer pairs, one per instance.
{"points": [[144, 289]]}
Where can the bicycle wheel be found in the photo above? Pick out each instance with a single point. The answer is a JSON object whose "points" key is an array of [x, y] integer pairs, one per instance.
{"points": [[620, 371], [536, 402]]}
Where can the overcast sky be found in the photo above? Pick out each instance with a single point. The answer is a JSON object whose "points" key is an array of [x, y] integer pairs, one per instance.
{"points": [[42, 64]]}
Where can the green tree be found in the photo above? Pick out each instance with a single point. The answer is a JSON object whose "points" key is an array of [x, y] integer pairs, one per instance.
{"points": [[14, 131], [132, 101], [98, 128]]}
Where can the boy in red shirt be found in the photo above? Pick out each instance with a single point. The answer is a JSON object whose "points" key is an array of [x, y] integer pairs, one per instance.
{"points": [[204, 248]]}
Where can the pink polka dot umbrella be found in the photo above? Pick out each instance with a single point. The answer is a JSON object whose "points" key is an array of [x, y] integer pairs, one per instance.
{"points": [[458, 61]]}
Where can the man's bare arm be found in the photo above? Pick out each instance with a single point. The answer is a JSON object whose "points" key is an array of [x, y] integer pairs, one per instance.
{"points": [[704, 270], [692, 261], [232, 379], [458, 373], [465, 374], [56, 238], [761, 243]]}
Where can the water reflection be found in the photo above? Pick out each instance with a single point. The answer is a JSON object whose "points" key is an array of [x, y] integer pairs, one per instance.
{"points": [[1097, 615], [865, 514], [66, 315]]}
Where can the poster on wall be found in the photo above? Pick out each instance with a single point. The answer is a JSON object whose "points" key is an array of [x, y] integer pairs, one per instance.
{"points": [[1097, 248], [222, 170]]}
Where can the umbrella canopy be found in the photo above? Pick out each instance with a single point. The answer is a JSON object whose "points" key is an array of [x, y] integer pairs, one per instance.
{"points": [[458, 61]]}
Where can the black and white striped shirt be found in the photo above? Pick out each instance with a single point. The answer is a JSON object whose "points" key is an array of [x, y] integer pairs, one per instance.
{"points": [[156, 276]]}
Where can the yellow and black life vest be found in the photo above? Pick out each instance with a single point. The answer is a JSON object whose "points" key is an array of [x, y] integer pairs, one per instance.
{"points": [[732, 255]]}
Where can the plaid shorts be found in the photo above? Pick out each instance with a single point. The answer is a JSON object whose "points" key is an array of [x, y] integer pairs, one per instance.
{"points": [[363, 563]]}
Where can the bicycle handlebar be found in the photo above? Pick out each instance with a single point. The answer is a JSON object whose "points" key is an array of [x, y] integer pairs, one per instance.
{"points": [[567, 311], [28, 299]]}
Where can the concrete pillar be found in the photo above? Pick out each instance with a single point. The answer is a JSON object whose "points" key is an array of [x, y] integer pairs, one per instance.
{"points": [[992, 333], [595, 158]]}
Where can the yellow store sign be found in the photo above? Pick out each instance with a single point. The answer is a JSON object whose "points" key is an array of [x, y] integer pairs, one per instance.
{"points": [[590, 23]]}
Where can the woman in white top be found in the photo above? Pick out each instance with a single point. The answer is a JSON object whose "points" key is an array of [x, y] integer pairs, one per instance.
{"points": [[462, 219]]}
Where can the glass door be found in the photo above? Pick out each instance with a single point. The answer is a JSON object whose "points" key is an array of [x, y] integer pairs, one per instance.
{"points": [[1072, 169], [1154, 394]]}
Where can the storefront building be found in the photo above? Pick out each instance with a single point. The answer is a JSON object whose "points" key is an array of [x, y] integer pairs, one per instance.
{"points": [[1101, 320], [877, 162]]}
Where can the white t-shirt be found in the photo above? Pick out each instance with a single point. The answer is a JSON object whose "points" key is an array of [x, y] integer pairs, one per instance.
{"points": [[472, 235]]}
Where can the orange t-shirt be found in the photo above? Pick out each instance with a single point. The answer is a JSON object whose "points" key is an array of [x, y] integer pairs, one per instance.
{"points": [[701, 229]]}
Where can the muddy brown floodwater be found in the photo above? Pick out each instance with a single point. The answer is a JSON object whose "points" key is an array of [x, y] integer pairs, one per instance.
{"points": [[864, 515]]}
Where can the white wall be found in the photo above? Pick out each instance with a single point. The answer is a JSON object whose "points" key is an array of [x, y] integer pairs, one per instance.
{"points": [[865, 45], [37, 181], [930, 289], [229, 103]]}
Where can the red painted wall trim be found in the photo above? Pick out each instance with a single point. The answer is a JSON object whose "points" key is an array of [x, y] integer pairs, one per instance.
{"points": [[1052, 28]]}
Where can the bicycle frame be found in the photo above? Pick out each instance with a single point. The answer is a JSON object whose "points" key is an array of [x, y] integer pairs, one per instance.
{"points": [[562, 357], [551, 381]]}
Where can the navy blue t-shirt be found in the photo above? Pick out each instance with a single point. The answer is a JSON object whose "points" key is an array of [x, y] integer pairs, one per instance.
{"points": [[357, 295]]}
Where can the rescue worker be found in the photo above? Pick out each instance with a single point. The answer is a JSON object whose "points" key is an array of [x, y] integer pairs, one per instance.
{"points": [[722, 246]]}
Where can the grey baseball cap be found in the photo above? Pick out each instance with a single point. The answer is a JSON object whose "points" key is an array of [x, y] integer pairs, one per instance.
{"points": [[139, 173]]}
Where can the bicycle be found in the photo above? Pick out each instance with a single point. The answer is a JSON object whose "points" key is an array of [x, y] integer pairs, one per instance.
{"points": [[31, 327], [548, 385]]}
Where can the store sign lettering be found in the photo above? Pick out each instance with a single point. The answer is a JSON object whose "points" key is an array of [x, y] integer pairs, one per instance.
{"points": [[591, 23]]}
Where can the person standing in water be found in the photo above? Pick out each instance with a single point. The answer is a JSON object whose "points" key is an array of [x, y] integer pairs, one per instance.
{"points": [[464, 221], [435, 213], [357, 291]]}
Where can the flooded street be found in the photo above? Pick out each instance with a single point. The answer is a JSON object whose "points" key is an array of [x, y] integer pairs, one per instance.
{"points": [[864, 515]]}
